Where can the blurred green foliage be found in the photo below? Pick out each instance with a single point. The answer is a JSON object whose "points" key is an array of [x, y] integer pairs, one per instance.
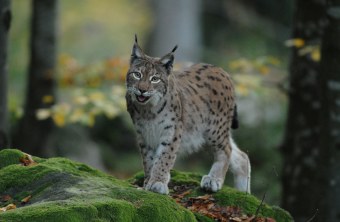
{"points": [[89, 31]]}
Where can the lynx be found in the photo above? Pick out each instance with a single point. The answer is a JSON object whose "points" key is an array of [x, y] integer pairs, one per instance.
{"points": [[181, 112]]}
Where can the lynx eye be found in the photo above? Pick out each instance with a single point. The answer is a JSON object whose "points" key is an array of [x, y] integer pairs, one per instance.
{"points": [[155, 79], [137, 75]]}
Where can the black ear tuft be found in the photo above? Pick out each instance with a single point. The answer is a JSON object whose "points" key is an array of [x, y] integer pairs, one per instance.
{"points": [[168, 60], [174, 49], [136, 41], [137, 52]]}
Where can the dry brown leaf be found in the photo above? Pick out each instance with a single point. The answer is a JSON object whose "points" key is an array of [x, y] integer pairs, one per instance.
{"points": [[235, 219], [248, 219], [26, 199], [8, 207], [5, 198], [179, 197], [206, 205], [260, 219], [27, 160]]}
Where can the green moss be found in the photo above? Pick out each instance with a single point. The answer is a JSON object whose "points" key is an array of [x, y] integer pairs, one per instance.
{"points": [[9, 157], [180, 178], [250, 204], [201, 218], [61, 211], [115, 210], [64, 190], [225, 197], [177, 178]]}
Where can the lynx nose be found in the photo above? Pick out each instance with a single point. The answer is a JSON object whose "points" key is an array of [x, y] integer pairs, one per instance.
{"points": [[142, 91]]}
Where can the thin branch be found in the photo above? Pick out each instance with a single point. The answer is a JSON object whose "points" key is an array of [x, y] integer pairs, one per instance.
{"points": [[258, 209], [313, 217]]}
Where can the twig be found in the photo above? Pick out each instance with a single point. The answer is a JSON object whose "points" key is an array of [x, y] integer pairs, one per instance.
{"points": [[258, 209], [312, 218]]}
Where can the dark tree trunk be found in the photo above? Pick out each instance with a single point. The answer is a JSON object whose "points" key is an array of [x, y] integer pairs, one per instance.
{"points": [[303, 168], [32, 133], [5, 21], [330, 115]]}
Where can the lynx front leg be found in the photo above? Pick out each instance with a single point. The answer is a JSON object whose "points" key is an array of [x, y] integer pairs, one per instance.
{"points": [[148, 159], [147, 154], [164, 161], [215, 179]]}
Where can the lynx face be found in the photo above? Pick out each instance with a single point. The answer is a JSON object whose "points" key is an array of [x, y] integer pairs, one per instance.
{"points": [[147, 78], [147, 81]]}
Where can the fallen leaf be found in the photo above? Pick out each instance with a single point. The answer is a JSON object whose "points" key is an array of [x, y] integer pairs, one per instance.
{"points": [[297, 42], [207, 206], [5, 198], [47, 99], [26, 199], [8, 207], [236, 219], [27, 160], [249, 219]]}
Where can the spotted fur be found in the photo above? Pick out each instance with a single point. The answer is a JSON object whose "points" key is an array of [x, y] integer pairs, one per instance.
{"points": [[181, 112]]}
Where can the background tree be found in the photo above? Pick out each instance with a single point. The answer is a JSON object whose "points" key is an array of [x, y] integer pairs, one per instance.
{"points": [[330, 113], [40, 93], [175, 24], [5, 21], [311, 149], [303, 171]]}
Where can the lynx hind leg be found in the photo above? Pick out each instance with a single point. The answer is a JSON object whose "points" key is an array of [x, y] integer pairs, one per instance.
{"points": [[215, 179], [240, 167]]}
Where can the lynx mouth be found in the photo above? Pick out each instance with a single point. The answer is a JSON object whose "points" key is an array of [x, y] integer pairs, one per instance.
{"points": [[142, 99]]}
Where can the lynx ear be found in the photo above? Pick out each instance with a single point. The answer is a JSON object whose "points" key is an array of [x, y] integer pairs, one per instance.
{"points": [[168, 60], [137, 52]]}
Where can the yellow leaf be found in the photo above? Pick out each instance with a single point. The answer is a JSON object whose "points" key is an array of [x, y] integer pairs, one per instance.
{"points": [[47, 99], [43, 114], [274, 61], [315, 55], [8, 207], [240, 64], [91, 120], [264, 70], [97, 96], [26, 199], [77, 115], [242, 89], [297, 42], [81, 100], [59, 119], [94, 82], [306, 50], [110, 111], [118, 90]]}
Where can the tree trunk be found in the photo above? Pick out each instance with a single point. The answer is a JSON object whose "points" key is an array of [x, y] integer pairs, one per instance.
{"points": [[176, 22], [330, 115], [32, 133], [5, 21], [302, 176]]}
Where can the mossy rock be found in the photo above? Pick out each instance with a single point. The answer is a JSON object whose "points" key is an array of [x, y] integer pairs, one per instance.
{"points": [[64, 190]]}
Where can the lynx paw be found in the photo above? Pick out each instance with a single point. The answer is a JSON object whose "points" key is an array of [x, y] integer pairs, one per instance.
{"points": [[157, 187], [211, 184]]}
